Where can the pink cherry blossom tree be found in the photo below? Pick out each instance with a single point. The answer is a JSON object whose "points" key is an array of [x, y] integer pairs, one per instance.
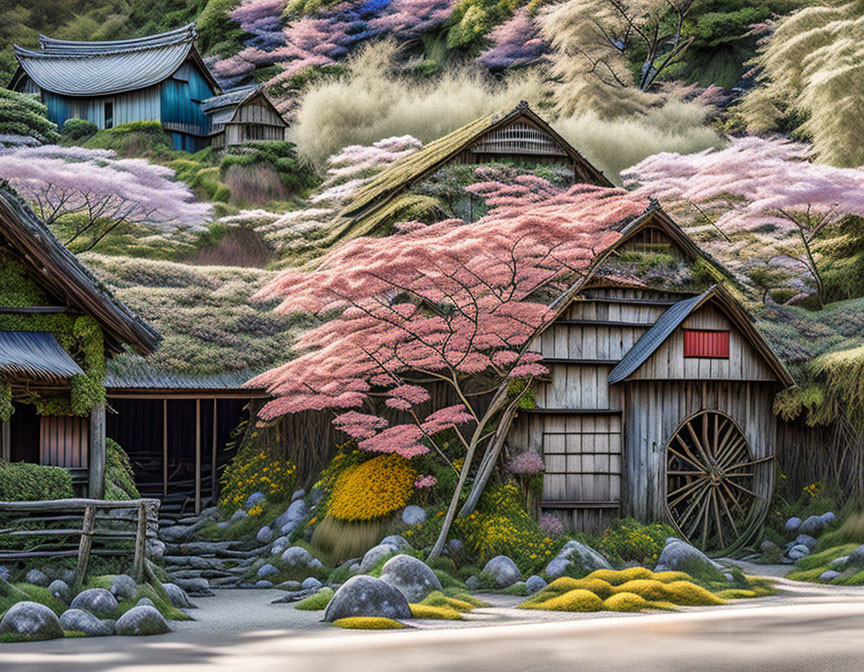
{"points": [[94, 192], [453, 305], [515, 43], [765, 193]]}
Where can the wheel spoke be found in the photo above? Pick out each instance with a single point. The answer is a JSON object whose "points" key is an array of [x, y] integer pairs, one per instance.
{"points": [[690, 460], [717, 521], [728, 513], [688, 487], [742, 488]]}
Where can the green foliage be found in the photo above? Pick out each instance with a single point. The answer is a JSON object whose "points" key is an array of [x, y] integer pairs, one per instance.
{"points": [[316, 602], [136, 139], [217, 32], [77, 130], [628, 540], [369, 623], [297, 177], [23, 114], [119, 478], [851, 531], [6, 408], [26, 482], [259, 466]]}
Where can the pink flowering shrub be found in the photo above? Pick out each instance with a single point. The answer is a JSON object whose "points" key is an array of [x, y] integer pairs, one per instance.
{"points": [[425, 482], [551, 525], [526, 464]]}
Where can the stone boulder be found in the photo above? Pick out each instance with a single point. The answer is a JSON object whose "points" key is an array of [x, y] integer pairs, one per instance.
{"points": [[254, 499], [293, 516], [237, 516], [797, 552], [806, 540], [177, 596], [473, 583], [97, 601], [503, 570], [375, 554], [410, 576], [266, 570], [197, 587], [413, 515], [827, 518], [37, 578], [311, 583], [367, 596], [828, 575], [60, 589], [145, 602], [297, 556], [812, 525], [397, 542], [5, 572], [793, 524], [141, 621], [124, 587], [263, 583], [856, 557], [265, 534], [574, 552], [534, 584], [298, 494], [77, 620], [455, 546], [32, 621], [178, 534], [678, 555]]}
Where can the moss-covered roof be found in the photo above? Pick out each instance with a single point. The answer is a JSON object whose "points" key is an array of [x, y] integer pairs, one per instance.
{"points": [[393, 181]]}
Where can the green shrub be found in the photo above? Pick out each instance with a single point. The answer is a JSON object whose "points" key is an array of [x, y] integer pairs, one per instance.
{"points": [[135, 139], [26, 482], [628, 540], [119, 478], [316, 602], [851, 531], [23, 114], [296, 176], [78, 129], [258, 466]]}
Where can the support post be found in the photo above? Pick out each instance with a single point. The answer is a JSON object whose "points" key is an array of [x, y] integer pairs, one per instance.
{"points": [[197, 456], [5, 441], [213, 454], [164, 448], [96, 463], [84, 547], [140, 542]]}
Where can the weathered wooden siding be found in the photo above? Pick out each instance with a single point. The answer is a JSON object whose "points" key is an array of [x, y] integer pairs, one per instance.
{"points": [[141, 105], [236, 134], [180, 99], [654, 409]]}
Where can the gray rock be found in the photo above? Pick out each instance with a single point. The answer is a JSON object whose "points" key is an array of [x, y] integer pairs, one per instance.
{"points": [[5, 573], [584, 555], [473, 583], [793, 524], [293, 516], [291, 586], [839, 563], [354, 569], [145, 602], [557, 567], [68, 575], [768, 546], [141, 621], [155, 549], [254, 499], [828, 575], [455, 546], [367, 596], [534, 584], [807, 541], [60, 589], [413, 515], [263, 583], [410, 576], [729, 577], [397, 542], [37, 578], [856, 557], [375, 554], [678, 555], [316, 563], [827, 518], [33, 621], [798, 551], [297, 556], [266, 570], [812, 525], [223, 526], [503, 570], [279, 545], [124, 587], [199, 587], [97, 601], [311, 583], [77, 620], [177, 534], [237, 516], [177, 596], [298, 494], [265, 534]]}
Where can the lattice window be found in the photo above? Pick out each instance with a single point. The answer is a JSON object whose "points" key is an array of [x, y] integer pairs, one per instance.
{"points": [[518, 138]]}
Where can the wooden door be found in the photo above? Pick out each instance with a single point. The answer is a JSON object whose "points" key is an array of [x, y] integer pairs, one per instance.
{"points": [[64, 441]]}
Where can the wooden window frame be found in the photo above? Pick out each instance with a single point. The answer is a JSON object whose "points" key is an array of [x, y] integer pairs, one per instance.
{"points": [[722, 354]]}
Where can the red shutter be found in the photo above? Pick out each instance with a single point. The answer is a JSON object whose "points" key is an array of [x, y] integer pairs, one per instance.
{"points": [[714, 344]]}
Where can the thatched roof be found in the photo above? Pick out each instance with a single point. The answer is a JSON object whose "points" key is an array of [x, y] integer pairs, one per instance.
{"points": [[392, 182], [59, 273]]}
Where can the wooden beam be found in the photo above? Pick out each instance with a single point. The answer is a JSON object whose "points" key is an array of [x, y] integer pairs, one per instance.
{"points": [[96, 462], [213, 454], [133, 393], [33, 310], [573, 411], [604, 323], [5, 441], [197, 456], [569, 504], [164, 447]]}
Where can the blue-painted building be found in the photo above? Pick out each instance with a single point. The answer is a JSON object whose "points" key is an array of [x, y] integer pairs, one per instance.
{"points": [[156, 78]]}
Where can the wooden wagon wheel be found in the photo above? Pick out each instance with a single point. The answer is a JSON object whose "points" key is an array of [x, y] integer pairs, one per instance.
{"points": [[710, 481]]}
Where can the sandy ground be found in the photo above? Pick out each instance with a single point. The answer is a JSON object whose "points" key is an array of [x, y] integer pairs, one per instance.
{"points": [[806, 627]]}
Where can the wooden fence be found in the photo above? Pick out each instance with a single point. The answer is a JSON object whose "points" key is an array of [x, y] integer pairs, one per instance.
{"points": [[78, 528]]}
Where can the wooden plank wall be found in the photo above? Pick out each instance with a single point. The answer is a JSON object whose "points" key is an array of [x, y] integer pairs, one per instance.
{"points": [[64, 441]]}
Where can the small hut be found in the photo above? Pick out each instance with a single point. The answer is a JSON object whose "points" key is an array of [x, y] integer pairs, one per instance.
{"points": [[58, 326], [658, 404], [242, 116]]}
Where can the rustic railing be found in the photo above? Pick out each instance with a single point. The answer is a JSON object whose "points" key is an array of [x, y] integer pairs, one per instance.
{"points": [[48, 529]]}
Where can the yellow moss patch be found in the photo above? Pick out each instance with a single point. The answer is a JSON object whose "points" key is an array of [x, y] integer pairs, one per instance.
{"points": [[435, 613], [369, 623], [439, 599], [562, 585], [575, 600], [646, 588], [619, 577], [625, 602], [689, 594], [736, 594], [669, 577]]}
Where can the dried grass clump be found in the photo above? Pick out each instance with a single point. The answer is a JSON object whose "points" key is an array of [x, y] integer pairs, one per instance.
{"points": [[372, 102], [369, 623]]}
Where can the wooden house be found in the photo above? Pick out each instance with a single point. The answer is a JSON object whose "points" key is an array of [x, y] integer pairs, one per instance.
{"points": [[58, 325], [518, 136], [155, 78], [242, 116], [658, 404]]}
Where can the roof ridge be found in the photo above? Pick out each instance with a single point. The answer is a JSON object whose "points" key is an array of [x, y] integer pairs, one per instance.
{"points": [[178, 34]]}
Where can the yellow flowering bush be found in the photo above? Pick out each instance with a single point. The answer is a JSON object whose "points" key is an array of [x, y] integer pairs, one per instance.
{"points": [[372, 489], [628, 540], [257, 469], [813, 490]]}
